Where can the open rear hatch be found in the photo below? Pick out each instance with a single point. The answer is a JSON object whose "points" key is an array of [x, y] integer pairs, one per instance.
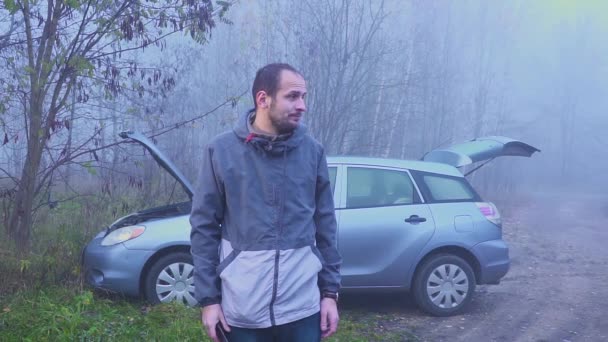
{"points": [[479, 150]]}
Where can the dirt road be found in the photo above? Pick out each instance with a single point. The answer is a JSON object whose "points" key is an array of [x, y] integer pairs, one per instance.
{"points": [[556, 290]]}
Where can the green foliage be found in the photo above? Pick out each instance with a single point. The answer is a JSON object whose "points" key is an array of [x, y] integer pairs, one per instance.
{"points": [[73, 3], [11, 6], [82, 65], [28, 69], [64, 314], [56, 259], [58, 238], [43, 62], [90, 169]]}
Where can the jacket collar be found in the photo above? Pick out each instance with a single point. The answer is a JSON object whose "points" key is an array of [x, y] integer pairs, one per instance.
{"points": [[270, 144]]}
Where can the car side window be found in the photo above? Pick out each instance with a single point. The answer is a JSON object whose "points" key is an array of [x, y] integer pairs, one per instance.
{"points": [[448, 188], [369, 187], [332, 177]]}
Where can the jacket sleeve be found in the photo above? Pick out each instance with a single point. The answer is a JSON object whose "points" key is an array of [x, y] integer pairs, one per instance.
{"points": [[326, 235], [207, 214]]}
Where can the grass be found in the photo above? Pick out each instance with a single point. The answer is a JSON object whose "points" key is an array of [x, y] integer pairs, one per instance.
{"points": [[60, 314], [63, 314]]}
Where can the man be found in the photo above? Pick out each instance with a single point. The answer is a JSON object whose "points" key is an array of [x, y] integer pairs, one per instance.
{"points": [[264, 200]]}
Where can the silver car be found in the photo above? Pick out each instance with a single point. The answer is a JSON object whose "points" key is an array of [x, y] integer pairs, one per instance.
{"points": [[415, 226]]}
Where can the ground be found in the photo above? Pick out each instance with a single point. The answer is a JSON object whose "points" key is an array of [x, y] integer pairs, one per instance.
{"points": [[555, 290]]}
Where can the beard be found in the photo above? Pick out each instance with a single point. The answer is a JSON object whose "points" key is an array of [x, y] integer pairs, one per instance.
{"points": [[281, 123]]}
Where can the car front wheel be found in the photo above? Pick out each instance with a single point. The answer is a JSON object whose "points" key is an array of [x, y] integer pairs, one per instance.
{"points": [[171, 278], [444, 285]]}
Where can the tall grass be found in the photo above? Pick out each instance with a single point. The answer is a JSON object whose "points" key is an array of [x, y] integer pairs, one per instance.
{"points": [[58, 238], [62, 314]]}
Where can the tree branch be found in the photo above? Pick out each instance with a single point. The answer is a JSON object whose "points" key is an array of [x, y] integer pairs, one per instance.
{"points": [[25, 9], [182, 123], [14, 179]]}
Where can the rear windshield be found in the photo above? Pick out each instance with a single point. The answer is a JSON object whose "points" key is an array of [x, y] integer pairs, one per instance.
{"points": [[442, 188]]}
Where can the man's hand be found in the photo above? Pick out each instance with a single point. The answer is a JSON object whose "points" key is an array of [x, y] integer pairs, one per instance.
{"points": [[211, 315], [329, 317]]}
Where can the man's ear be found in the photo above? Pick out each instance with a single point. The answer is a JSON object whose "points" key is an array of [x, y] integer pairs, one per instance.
{"points": [[262, 99]]}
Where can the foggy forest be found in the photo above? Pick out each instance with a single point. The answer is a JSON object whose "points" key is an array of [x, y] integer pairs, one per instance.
{"points": [[385, 78]]}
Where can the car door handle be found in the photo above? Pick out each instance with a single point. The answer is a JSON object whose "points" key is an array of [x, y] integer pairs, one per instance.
{"points": [[415, 219]]}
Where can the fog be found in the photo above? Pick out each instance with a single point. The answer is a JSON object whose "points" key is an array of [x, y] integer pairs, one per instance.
{"points": [[385, 78], [397, 79]]}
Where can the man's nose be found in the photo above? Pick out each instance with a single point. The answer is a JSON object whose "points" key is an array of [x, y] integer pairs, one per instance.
{"points": [[301, 105]]}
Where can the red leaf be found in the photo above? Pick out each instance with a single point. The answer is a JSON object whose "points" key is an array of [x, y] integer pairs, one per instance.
{"points": [[5, 139], [66, 123]]}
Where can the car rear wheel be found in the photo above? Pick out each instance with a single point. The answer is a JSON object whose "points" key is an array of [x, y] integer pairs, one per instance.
{"points": [[444, 285], [171, 278]]}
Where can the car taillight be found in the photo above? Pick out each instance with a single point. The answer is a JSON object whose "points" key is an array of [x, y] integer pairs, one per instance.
{"points": [[489, 210]]}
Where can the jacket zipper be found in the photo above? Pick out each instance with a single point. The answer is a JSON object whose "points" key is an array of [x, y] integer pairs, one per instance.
{"points": [[275, 283]]}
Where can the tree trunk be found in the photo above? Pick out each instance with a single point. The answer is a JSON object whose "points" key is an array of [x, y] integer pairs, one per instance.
{"points": [[115, 151], [397, 116], [393, 128], [20, 222], [68, 146], [376, 119]]}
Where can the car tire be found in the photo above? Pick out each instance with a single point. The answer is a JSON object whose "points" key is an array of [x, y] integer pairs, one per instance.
{"points": [[443, 285], [171, 278]]}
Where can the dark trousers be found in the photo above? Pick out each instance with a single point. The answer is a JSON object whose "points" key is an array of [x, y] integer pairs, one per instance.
{"points": [[304, 330]]}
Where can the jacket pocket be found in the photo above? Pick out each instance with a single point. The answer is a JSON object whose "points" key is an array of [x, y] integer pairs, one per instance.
{"points": [[247, 283], [297, 290]]}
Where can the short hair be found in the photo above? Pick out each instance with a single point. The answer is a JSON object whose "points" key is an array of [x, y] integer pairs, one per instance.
{"points": [[267, 79]]}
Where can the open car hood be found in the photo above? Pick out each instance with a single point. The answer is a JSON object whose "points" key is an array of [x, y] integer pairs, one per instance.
{"points": [[480, 149], [160, 158]]}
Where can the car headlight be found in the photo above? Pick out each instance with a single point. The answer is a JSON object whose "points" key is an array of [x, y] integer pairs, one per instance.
{"points": [[122, 234]]}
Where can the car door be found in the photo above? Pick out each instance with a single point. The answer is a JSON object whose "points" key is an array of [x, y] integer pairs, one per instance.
{"points": [[335, 173], [336, 177], [383, 226]]}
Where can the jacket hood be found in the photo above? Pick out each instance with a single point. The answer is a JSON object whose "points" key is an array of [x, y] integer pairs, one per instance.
{"points": [[273, 146]]}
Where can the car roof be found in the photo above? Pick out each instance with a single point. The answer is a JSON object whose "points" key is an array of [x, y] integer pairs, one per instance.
{"points": [[424, 166]]}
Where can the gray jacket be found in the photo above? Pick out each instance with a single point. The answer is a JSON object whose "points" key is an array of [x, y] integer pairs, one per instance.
{"points": [[268, 206]]}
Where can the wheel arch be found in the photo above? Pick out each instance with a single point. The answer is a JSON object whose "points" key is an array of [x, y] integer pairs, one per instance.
{"points": [[154, 258], [459, 251]]}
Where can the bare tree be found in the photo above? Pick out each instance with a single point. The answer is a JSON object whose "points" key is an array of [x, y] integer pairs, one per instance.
{"points": [[65, 47]]}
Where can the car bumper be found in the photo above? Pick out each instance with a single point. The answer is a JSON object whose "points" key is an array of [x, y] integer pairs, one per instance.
{"points": [[494, 260], [113, 268]]}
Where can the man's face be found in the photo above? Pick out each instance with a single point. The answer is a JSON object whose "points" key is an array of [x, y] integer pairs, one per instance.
{"points": [[287, 106]]}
